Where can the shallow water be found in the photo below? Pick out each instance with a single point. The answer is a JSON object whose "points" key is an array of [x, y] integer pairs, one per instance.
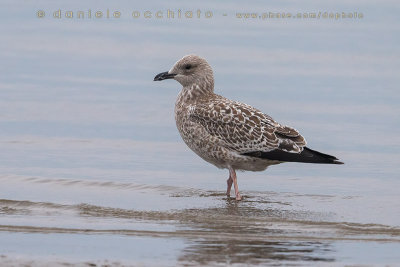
{"points": [[87, 214], [93, 170]]}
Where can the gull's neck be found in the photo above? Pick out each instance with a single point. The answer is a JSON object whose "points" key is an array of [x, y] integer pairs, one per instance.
{"points": [[195, 91]]}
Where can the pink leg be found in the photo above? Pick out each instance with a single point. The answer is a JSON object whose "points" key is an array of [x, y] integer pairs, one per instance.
{"points": [[232, 174], [228, 189]]}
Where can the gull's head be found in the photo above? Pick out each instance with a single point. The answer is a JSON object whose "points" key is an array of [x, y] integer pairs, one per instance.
{"points": [[188, 71]]}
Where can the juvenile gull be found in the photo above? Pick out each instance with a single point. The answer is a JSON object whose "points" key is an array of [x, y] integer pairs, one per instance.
{"points": [[230, 134]]}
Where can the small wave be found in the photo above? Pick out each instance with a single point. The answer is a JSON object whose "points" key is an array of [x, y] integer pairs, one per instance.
{"points": [[226, 221], [108, 184], [191, 234]]}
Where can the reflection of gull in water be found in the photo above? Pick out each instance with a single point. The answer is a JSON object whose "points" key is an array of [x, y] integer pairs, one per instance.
{"points": [[231, 134]]}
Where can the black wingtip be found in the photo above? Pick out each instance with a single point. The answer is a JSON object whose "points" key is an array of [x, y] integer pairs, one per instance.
{"points": [[307, 156], [334, 159], [329, 159]]}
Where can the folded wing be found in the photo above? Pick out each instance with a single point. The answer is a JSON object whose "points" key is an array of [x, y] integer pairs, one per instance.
{"points": [[245, 129]]}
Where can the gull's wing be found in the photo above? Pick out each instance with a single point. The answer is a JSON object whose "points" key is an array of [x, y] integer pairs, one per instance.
{"points": [[243, 128]]}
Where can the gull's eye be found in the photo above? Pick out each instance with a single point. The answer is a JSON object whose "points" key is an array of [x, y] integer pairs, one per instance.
{"points": [[188, 66]]}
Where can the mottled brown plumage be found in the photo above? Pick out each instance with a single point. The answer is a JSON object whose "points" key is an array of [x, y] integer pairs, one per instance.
{"points": [[227, 133]]}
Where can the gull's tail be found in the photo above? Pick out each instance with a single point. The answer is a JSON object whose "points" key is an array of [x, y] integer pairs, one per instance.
{"points": [[306, 156]]}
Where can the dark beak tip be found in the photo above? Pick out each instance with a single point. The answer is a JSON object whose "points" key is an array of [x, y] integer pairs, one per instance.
{"points": [[163, 76]]}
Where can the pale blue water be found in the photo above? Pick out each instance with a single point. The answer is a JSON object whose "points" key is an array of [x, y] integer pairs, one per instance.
{"points": [[92, 168]]}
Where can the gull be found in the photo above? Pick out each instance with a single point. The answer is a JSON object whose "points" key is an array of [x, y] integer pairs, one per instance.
{"points": [[229, 134]]}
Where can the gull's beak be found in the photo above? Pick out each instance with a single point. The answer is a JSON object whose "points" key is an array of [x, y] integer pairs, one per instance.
{"points": [[163, 76]]}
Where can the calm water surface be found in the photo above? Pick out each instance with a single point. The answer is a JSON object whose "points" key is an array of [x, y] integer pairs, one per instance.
{"points": [[93, 171]]}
